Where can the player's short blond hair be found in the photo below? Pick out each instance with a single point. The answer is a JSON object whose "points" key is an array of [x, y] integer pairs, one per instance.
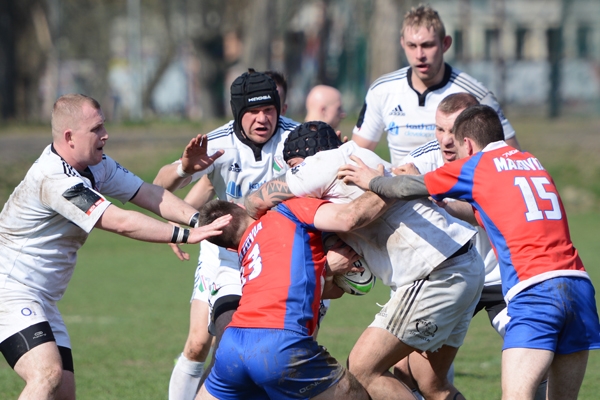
{"points": [[456, 102], [67, 109], [423, 16]]}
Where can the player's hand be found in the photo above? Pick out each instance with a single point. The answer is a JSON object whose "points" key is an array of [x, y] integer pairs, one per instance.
{"points": [[359, 174], [440, 204], [406, 169], [195, 156], [339, 135], [182, 255], [213, 229], [341, 259]]}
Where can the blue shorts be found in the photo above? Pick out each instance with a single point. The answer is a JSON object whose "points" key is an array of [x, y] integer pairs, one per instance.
{"points": [[255, 363], [558, 315]]}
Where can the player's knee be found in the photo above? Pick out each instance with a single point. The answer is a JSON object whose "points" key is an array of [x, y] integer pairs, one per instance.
{"points": [[46, 379], [356, 368], [197, 349]]}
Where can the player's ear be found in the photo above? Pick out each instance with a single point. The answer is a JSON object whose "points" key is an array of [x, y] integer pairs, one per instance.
{"points": [[470, 146], [446, 42], [67, 135]]}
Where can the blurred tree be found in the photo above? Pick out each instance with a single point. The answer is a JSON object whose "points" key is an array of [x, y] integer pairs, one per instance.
{"points": [[384, 38], [258, 29], [24, 44]]}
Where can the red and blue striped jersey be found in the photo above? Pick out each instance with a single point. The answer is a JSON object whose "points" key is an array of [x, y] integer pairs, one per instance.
{"points": [[516, 201], [283, 269]]}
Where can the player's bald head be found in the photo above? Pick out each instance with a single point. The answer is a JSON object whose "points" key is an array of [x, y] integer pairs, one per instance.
{"points": [[324, 103], [322, 93], [67, 112]]}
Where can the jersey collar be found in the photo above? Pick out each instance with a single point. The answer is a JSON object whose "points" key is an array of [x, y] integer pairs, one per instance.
{"points": [[495, 145], [86, 173], [423, 96]]}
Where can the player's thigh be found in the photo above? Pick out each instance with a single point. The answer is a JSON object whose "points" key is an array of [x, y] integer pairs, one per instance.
{"points": [[347, 387], [40, 363], [566, 375], [203, 394], [375, 352], [522, 371], [26, 322]]}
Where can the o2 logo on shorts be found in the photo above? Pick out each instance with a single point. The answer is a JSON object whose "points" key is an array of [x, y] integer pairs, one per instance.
{"points": [[27, 312]]}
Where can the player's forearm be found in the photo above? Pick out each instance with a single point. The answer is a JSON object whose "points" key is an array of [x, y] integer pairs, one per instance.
{"points": [[135, 225], [364, 210], [461, 210], [267, 196], [403, 187], [163, 203], [168, 178], [364, 143], [138, 226], [202, 192]]}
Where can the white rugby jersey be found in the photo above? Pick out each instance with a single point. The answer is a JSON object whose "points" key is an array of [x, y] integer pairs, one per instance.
{"points": [[428, 158], [405, 243], [49, 215], [408, 117], [238, 172]]}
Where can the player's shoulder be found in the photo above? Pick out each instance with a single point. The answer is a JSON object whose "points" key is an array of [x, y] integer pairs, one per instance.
{"points": [[465, 82], [287, 124], [430, 147], [222, 133], [52, 165], [390, 80]]}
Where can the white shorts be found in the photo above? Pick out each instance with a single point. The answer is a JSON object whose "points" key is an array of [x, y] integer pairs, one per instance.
{"points": [[214, 282], [436, 311], [211, 282], [203, 279], [22, 307]]}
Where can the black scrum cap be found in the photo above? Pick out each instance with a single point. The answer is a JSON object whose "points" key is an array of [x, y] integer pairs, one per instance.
{"points": [[253, 89], [310, 138]]}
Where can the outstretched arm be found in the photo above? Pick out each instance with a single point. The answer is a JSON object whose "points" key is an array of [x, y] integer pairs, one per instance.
{"points": [[195, 158], [163, 203], [138, 226], [267, 196]]}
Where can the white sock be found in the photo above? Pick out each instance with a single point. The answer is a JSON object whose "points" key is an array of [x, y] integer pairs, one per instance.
{"points": [[185, 379]]}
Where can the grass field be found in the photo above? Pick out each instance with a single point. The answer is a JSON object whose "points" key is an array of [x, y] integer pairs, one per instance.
{"points": [[127, 306]]}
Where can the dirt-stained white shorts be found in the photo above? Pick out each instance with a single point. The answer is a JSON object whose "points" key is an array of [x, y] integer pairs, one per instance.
{"points": [[213, 282], [22, 307], [436, 311]]}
